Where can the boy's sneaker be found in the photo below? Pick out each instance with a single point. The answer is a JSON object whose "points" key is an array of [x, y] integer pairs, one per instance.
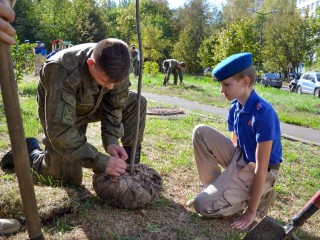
{"points": [[9, 226], [266, 202]]}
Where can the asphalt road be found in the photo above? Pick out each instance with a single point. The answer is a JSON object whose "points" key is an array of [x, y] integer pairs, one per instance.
{"points": [[292, 132]]}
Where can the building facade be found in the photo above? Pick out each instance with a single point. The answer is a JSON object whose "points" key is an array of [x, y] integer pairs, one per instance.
{"points": [[310, 5]]}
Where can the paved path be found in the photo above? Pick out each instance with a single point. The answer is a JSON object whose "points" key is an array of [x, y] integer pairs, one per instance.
{"points": [[291, 132]]}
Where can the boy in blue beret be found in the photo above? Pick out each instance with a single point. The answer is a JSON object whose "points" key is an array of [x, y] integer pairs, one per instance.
{"points": [[251, 158]]}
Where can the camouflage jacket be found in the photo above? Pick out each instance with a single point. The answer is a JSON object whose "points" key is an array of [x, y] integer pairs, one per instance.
{"points": [[69, 98], [170, 63]]}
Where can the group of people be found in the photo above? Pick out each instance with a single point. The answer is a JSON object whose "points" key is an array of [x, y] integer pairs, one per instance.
{"points": [[169, 66], [90, 82]]}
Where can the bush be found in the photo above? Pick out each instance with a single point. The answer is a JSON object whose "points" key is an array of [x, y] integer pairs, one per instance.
{"points": [[22, 57], [151, 68]]}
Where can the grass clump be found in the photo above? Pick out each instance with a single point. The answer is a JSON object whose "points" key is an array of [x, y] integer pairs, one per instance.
{"points": [[77, 213]]}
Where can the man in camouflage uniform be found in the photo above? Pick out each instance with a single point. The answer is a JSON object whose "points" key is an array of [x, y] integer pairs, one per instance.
{"points": [[174, 67], [83, 84], [134, 60]]}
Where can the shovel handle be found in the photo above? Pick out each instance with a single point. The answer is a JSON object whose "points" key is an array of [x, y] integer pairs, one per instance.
{"points": [[307, 211]]}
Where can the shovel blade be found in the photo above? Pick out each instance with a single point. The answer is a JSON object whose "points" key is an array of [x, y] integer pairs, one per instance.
{"points": [[267, 229]]}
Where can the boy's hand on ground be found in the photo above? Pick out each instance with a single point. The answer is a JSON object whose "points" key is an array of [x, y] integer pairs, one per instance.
{"points": [[116, 166], [245, 220], [117, 151]]}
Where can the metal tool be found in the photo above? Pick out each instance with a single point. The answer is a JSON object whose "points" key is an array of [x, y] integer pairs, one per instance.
{"points": [[270, 229]]}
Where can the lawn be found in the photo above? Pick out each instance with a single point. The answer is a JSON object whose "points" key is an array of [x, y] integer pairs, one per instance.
{"points": [[77, 213], [292, 108]]}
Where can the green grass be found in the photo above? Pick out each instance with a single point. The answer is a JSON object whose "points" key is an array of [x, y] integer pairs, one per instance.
{"points": [[292, 108], [168, 149]]}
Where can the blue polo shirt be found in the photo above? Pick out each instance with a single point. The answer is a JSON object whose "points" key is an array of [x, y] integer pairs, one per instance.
{"points": [[255, 122], [37, 50]]}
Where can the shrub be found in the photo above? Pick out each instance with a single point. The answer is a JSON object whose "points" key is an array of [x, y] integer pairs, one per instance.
{"points": [[151, 68], [22, 57]]}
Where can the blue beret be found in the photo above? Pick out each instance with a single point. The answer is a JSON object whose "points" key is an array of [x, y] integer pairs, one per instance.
{"points": [[232, 65], [26, 41], [38, 42]]}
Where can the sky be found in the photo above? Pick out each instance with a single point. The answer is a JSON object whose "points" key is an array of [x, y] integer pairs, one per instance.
{"points": [[179, 3]]}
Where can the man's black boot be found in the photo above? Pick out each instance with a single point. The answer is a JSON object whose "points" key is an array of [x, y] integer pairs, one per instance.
{"points": [[129, 151], [7, 161]]}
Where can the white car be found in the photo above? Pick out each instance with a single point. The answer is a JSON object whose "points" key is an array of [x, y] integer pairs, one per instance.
{"points": [[309, 83]]}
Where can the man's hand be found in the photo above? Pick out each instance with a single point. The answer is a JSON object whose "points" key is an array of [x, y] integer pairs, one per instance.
{"points": [[116, 166], [7, 15], [245, 220], [117, 151]]}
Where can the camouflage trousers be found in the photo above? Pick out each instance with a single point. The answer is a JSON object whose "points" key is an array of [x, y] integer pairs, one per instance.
{"points": [[176, 72], [226, 192], [52, 164], [135, 67]]}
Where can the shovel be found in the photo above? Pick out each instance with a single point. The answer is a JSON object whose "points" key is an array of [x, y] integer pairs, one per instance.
{"points": [[270, 229], [18, 143]]}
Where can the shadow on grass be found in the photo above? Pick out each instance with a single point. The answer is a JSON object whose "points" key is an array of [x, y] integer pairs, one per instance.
{"points": [[194, 88]]}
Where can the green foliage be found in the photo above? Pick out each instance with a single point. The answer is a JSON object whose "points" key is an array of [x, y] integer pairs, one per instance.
{"points": [[78, 21], [155, 30], [197, 34], [22, 57], [125, 22], [206, 52], [151, 68], [238, 36], [236, 9], [288, 42], [193, 19]]}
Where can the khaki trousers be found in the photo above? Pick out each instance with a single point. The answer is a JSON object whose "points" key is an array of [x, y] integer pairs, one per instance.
{"points": [[226, 192]]}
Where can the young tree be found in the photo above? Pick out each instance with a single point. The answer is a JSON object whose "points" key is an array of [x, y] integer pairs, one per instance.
{"points": [[238, 36], [192, 21], [206, 52], [237, 9], [288, 37]]}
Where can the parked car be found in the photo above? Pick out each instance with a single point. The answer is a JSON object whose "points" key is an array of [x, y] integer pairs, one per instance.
{"points": [[309, 83], [271, 79]]}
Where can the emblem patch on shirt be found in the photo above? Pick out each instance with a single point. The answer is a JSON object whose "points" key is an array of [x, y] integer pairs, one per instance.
{"points": [[250, 122], [123, 98], [259, 105], [67, 115]]}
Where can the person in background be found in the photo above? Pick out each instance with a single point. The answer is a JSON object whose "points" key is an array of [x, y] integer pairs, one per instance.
{"points": [[37, 58], [43, 54], [174, 67], [7, 15], [135, 60], [251, 158]]}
